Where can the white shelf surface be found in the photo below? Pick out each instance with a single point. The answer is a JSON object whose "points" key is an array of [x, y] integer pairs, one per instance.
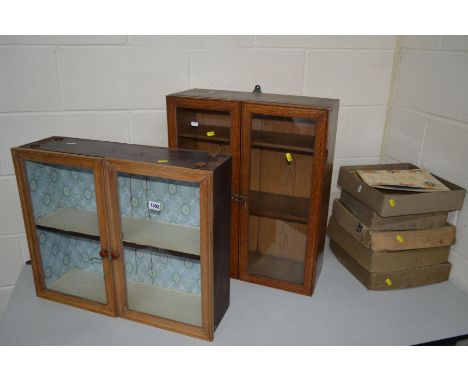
{"points": [[341, 312], [81, 283], [168, 236], [72, 220], [164, 302], [152, 299]]}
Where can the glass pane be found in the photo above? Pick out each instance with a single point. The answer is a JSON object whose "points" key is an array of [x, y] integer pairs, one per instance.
{"points": [[64, 206], [161, 235], [280, 185], [205, 130]]}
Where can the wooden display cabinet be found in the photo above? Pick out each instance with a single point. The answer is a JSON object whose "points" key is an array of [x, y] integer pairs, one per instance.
{"points": [[282, 149], [135, 231]]}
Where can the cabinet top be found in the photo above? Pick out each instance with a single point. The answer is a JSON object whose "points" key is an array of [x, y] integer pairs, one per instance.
{"points": [[139, 153], [303, 101]]}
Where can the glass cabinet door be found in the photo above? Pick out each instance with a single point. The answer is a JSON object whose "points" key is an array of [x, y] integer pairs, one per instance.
{"points": [[205, 130], [278, 179], [160, 231], [65, 213], [212, 126]]}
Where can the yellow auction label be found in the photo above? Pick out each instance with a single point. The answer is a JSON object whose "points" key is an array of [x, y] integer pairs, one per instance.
{"points": [[388, 282], [210, 133], [288, 157], [163, 161], [400, 238], [391, 202]]}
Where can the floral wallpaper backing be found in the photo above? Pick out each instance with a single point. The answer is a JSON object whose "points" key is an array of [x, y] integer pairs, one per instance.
{"points": [[53, 187], [180, 201]]}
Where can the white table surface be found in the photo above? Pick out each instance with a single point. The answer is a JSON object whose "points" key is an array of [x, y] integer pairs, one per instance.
{"points": [[341, 312]]}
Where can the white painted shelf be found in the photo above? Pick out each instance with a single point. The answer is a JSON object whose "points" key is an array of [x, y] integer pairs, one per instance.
{"points": [[173, 237], [146, 298], [164, 302], [81, 283], [72, 220]]}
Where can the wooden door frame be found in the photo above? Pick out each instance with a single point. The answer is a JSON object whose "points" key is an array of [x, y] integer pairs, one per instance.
{"points": [[20, 155], [234, 108], [320, 116], [205, 181]]}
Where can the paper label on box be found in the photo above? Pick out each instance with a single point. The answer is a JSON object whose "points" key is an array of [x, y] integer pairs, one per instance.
{"points": [[400, 238], [391, 202], [289, 157], [210, 133], [155, 206], [194, 124], [388, 282]]}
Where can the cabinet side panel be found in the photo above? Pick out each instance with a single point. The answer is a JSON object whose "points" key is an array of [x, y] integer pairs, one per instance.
{"points": [[326, 187], [222, 239]]}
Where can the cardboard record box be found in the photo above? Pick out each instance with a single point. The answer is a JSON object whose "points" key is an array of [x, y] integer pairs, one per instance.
{"points": [[395, 203], [387, 280], [375, 222], [381, 261], [392, 240]]}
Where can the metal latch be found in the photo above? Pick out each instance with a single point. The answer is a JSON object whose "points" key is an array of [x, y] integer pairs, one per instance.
{"points": [[239, 197]]}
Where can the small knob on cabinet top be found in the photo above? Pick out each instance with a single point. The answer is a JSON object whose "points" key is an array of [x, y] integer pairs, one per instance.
{"points": [[257, 89]]}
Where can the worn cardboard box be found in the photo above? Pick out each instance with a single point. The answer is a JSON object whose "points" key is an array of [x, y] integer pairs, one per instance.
{"points": [[388, 280], [375, 222], [392, 240], [381, 261], [395, 203]]}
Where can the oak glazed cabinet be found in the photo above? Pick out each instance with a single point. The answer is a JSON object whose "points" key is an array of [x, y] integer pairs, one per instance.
{"points": [[282, 151], [136, 231]]}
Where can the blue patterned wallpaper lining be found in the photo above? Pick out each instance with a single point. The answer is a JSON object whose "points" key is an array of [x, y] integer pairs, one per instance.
{"points": [[60, 253], [180, 204], [158, 268], [180, 201], [53, 187]]}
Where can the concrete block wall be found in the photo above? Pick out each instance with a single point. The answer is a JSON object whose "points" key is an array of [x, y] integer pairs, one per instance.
{"points": [[428, 121], [114, 87]]}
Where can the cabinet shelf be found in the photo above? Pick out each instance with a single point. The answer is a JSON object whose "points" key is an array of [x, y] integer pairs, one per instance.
{"points": [[295, 143], [153, 299], [199, 134], [283, 207], [261, 139], [172, 237], [276, 267]]}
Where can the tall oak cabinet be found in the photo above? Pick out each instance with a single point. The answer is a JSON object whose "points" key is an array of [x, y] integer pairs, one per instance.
{"points": [[282, 151]]}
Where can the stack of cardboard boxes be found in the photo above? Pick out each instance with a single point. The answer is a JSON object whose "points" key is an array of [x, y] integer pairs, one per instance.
{"points": [[392, 239]]}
